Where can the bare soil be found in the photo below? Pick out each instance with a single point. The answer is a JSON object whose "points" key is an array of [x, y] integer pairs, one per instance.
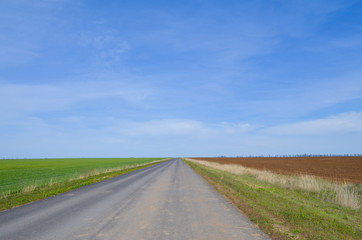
{"points": [[336, 168]]}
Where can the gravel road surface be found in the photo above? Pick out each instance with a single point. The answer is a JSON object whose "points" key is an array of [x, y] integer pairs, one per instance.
{"points": [[165, 201]]}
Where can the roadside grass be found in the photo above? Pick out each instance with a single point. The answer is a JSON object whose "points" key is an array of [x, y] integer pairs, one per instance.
{"points": [[284, 213], [345, 194], [50, 177]]}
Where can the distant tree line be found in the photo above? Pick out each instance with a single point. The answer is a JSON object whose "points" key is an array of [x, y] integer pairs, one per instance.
{"points": [[295, 155]]}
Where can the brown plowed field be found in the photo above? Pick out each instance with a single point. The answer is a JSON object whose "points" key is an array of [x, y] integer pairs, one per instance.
{"points": [[332, 168]]}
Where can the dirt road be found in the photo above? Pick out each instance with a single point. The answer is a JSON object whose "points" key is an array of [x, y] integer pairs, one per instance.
{"points": [[165, 201]]}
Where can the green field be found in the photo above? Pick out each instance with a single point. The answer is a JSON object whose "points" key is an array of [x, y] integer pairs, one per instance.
{"points": [[285, 213], [18, 174]]}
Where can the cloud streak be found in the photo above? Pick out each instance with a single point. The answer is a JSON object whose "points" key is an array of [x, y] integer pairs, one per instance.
{"points": [[23, 99], [107, 46], [342, 123]]}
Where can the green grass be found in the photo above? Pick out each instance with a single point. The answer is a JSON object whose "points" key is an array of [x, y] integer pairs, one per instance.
{"points": [[26, 180], [15, 174], [285, 213]]}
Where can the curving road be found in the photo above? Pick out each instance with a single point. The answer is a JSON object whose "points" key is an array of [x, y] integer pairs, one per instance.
{"points": [[165, 201]]}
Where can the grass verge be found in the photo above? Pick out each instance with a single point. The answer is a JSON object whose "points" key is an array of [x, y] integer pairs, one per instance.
{"points": [[345, 194], [33, 193], [284, 213]]}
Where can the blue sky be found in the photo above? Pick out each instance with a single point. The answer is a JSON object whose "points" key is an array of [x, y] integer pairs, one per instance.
{"points": [[180, 78]]}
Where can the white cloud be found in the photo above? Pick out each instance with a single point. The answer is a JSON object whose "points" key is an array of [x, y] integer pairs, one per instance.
{"points": [[107, 45], [75, 137], [178, 127], [343, 123], [231, 128], [22, 99], [166, 127], [299, 100]]}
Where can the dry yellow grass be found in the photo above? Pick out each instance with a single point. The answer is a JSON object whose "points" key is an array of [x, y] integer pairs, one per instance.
{"points": [[4, 195], [343, 194], [51, 182], [29, 188]]}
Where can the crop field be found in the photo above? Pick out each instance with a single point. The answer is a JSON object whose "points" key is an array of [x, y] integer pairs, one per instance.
{"points": [[336, 168], [18, 175]]}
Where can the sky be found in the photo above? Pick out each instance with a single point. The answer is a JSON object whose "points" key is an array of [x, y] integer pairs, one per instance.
{"points": [[180, 78]]}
